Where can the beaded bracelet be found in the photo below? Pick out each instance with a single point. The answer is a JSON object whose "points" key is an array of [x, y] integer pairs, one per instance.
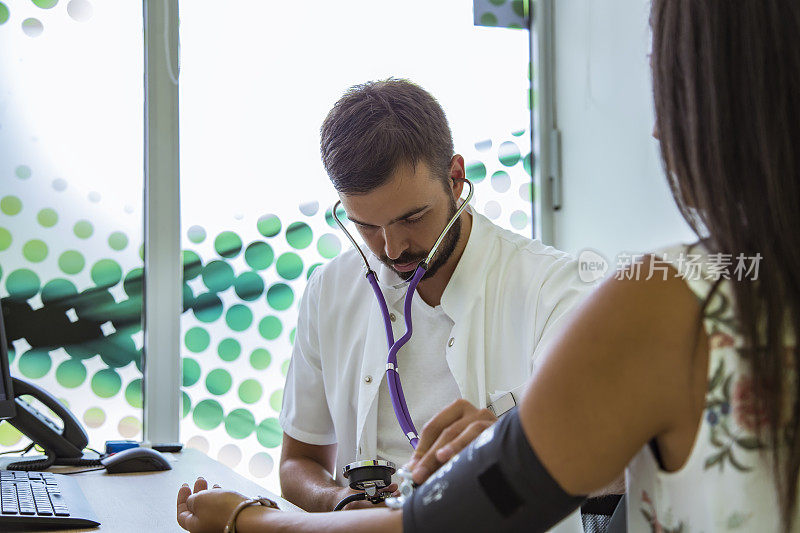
{"points": [[230, 527]]}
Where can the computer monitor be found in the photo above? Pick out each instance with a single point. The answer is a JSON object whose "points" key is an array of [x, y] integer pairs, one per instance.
{"points": [[7, 405]]}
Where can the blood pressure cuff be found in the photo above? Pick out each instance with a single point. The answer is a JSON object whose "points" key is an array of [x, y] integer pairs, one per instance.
{"points": [[495, 484]]}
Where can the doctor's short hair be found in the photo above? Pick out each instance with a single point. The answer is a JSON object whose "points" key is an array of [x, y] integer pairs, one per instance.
{"points": [[378, 126]]}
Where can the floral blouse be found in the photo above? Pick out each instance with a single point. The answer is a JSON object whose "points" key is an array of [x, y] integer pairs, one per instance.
{"points": [[726, 484]]}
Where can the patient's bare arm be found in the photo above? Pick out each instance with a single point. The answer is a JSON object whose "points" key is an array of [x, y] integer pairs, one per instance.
{"points": [[615, 487]]}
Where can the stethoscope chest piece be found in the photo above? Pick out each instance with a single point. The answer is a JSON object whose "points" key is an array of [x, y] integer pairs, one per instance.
{"points": [[367, 475], [370, 477]]}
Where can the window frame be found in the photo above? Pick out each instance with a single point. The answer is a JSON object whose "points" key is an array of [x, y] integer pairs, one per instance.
{"points": [[162, 296]]}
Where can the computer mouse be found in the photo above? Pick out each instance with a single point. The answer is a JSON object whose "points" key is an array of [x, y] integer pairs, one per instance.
{"points": [[136, 460]]}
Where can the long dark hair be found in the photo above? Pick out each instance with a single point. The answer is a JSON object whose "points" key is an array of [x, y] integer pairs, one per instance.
{"points": [[726, 77]]}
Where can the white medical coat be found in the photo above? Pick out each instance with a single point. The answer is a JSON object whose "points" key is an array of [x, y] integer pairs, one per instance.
{"points": [[507, 293]]}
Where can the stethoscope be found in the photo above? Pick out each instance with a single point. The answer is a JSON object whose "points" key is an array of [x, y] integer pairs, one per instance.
{"points": [[373, 475]]}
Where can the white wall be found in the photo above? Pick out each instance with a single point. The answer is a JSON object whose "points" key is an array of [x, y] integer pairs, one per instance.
{"points": [[615, 195]]}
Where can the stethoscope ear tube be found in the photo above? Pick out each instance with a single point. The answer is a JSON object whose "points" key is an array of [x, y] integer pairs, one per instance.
{"points": [[451, 221], [438, 242], [350, 237]]}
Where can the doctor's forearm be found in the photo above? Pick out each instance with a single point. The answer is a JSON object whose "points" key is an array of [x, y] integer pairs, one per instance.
{"points": [[307, 484]]}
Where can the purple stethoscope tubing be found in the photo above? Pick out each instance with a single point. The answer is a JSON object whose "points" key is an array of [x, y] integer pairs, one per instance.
{"points": [[392, 375]]}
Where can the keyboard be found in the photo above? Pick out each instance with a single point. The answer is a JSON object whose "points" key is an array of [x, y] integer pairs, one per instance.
{"points": [[43, 499]]}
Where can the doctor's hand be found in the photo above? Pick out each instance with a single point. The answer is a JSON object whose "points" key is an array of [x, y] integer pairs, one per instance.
{"points": [[445, 435]]}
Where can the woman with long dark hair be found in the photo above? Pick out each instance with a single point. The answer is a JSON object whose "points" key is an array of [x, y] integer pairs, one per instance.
{"points": [[683, 366]]}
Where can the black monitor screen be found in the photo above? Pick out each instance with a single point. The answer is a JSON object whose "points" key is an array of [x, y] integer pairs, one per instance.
{"points": [[6, 393]]}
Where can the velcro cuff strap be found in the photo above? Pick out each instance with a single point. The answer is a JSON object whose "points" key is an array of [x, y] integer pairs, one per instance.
{"points": [[496, 484]]}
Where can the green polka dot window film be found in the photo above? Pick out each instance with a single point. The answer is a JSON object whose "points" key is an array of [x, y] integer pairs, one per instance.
{"points": [[256, 202], [71, 184], [513, 14]]}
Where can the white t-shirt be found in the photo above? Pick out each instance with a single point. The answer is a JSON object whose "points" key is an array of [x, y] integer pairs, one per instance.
{"points": [[506, 297], [427, 381]]}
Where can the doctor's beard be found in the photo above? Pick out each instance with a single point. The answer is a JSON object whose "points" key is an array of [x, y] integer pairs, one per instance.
{"points": [[445, 250]]}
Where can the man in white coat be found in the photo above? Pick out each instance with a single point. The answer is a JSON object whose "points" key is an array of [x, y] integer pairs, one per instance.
{"points": [[488, 300]]}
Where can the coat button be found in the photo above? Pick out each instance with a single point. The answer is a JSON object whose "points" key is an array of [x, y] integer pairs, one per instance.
{"points": [[451, 342], [392, 317], [368, 379]]}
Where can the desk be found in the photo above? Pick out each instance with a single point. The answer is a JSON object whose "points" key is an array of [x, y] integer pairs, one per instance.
{"points": [[145, 502]]}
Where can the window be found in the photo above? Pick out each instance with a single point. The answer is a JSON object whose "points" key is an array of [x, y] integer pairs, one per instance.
{"points": [[71, 134], [256, 81], [256, 199]]}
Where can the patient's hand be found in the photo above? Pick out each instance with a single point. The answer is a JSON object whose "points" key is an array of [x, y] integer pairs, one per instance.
{"points": [[207, 511], [445, 435]]}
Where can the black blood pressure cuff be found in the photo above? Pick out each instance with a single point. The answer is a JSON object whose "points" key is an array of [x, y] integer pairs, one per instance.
{"points": [[496, 484]]}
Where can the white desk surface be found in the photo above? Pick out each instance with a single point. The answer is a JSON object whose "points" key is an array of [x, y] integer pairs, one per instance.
{"points": [[145, 502]]}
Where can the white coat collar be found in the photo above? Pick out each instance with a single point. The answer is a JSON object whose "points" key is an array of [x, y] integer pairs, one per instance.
{"points": [[469, 277]]}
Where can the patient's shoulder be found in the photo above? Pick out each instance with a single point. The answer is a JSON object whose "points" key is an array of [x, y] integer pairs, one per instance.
{"points": [[635, 323], [648, 297]]}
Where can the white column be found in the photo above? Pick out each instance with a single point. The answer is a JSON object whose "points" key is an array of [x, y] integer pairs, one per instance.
{"points": [[542, 51], [162, 261]]}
